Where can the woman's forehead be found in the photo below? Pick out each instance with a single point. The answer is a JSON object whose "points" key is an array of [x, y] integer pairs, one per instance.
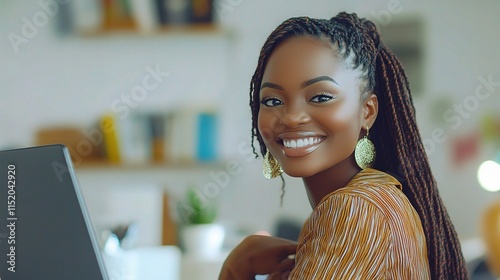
{"points": [[301, 53], [302, 58]]}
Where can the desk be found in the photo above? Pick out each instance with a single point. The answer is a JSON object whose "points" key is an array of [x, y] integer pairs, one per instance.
{"points": [[146, 263], [194, 268], [163, 262]]}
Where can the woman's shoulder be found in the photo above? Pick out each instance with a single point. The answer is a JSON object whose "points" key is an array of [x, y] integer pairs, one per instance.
{"points": [[367, 182], [374, 177], [375, 196], [373, 187]]}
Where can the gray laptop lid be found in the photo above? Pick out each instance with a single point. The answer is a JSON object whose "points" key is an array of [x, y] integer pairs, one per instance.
{"points": [[45, 231]]}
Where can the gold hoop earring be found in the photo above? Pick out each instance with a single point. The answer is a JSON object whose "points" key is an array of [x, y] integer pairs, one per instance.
{"points": [[271, 167], [365, 151]]}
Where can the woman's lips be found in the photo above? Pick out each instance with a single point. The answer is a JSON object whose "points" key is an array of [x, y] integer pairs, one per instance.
{"points": [[299, 144]]}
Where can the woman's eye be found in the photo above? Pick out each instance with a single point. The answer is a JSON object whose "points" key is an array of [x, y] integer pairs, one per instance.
{"points": [[271, 102], [320, 98]]}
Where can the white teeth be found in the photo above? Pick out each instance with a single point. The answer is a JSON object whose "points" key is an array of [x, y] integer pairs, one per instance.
{"points": [[300, 143]]}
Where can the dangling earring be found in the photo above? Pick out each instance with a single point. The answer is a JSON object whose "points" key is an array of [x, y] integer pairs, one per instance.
{"points": [[365, 151], [271, 167]]}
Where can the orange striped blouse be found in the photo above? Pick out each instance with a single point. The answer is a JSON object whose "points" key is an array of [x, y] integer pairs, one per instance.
{"points": [[366, 230]]}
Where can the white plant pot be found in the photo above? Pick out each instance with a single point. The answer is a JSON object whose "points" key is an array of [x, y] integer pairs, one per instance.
{"points": [[203, 240]]}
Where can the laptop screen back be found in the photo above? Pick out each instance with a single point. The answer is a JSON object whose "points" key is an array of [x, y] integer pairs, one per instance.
{"points": [[45, 231]]}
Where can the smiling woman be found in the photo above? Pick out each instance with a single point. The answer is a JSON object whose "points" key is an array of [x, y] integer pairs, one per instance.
{"points": [[319, 88], [312, 96]]}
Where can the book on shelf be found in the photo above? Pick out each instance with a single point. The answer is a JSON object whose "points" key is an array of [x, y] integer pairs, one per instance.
{"points": [[184, 11], [179, 136], [206, 148], [117, 14], [107, 124], [135, 144], [89, 16], [182, 135], [192, 135]]}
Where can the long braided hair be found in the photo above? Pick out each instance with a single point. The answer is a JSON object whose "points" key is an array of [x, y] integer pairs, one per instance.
{"points": [[395, 134]]}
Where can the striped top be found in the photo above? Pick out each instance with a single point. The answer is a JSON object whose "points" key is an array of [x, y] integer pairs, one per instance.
{"points": [[366, 230]]}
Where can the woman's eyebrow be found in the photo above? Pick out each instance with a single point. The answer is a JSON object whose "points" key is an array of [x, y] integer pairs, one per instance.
{"points": [[271, 85], [304, 84], [319, 79]]}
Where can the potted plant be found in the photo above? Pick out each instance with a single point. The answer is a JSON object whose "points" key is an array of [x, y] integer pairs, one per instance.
{"points": [[201, 236]]}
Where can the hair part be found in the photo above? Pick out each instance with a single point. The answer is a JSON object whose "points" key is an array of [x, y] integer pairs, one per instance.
{"points": [[395, 134]]}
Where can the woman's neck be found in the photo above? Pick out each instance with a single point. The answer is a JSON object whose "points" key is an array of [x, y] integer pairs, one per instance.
{"points": [[330, 180]]}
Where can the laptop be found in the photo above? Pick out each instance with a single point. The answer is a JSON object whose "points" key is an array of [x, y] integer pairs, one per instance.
{"points": [[45, 230]]}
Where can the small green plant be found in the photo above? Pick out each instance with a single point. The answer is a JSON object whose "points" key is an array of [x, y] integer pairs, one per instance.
{"points": [[201, 209]]}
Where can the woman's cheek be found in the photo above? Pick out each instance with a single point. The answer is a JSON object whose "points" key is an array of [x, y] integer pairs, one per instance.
{"points": [[265, 126]]}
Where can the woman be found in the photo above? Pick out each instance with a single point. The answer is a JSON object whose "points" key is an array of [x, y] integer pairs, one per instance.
{"points": [[331, 104]]}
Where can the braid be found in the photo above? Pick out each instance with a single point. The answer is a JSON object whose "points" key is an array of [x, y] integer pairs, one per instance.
{"points": [[420, 186], [395, 134]]}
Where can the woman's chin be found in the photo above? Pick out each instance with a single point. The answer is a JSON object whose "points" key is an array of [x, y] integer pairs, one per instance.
{"points": [[299, 173]]}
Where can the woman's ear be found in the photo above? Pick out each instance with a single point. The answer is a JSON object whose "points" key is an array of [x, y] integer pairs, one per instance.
{"points": [[370, 110]]}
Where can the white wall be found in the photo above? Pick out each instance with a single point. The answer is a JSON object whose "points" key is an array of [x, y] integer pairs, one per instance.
{"points": [[74, 80]]}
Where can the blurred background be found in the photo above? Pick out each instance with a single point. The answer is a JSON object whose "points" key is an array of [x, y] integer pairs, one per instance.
{"points": [[151, 97]]}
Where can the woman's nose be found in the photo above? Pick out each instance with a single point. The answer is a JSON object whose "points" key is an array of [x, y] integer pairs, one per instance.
{"points": [[294, 118]]}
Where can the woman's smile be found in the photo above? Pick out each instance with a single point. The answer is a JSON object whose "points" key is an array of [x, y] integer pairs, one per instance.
{"points": [[299, 144]]}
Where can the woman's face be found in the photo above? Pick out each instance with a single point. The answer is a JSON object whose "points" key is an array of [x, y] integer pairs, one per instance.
{"points": [[311, 113]]}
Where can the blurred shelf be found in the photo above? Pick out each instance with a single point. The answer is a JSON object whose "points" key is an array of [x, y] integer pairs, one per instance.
{"points": [[191, 28], [104, 165], [101, 173], [174, 29]]}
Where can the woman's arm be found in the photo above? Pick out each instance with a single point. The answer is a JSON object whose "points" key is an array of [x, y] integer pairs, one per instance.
{"points": [[258, 255]]}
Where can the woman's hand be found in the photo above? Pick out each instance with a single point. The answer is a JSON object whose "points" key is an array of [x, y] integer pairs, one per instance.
{"points": [[258, 255]]}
